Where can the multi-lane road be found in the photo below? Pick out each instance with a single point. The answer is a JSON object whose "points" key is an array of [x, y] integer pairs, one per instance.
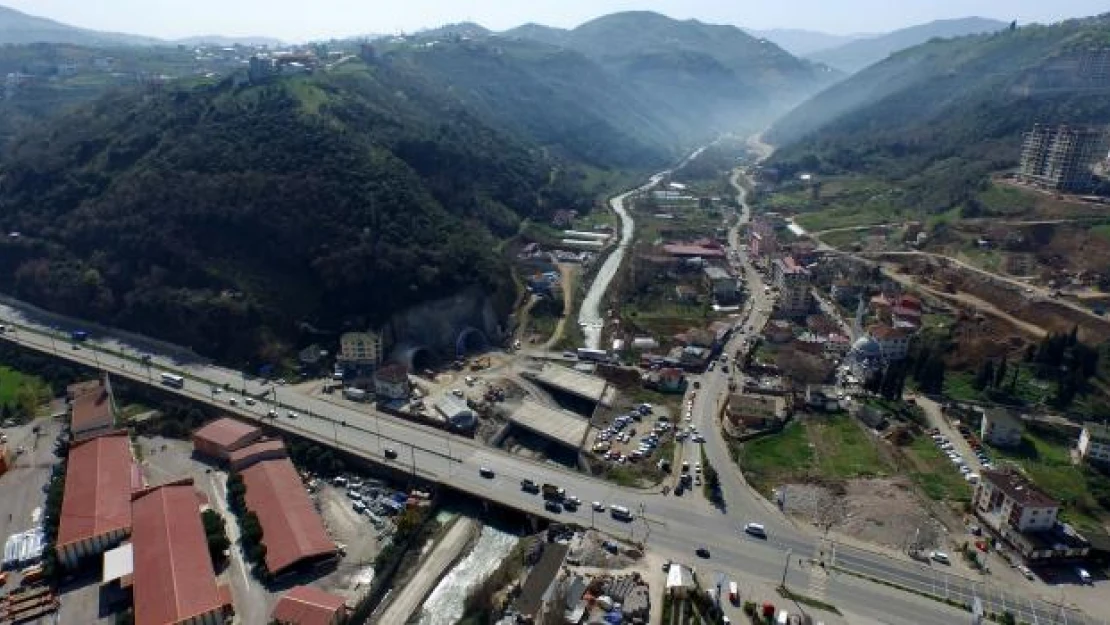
{"points": [[669, 525]]}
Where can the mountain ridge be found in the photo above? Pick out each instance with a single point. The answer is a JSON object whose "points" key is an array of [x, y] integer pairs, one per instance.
{"points": [[855, 55], [939, 117]]}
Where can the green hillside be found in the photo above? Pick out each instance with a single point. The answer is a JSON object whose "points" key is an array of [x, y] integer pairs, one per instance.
{"points": [[18, 27], [222, 217], [554, 96], [937, 118], [710, 78], [852, 56]]}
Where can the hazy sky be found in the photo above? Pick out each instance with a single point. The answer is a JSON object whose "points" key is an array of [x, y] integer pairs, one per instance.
{"points": [[298, 20]]}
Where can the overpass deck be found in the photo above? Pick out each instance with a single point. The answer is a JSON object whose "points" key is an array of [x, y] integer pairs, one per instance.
{"points": [[578, 384], [562, 426]]}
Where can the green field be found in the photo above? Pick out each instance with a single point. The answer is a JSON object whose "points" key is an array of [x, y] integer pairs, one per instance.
{"points": [[934, 473], [20, 394], [960, 386], [1044, 457], [825, 447]]}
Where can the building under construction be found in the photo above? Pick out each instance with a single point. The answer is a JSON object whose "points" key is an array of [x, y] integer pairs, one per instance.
{"points": [[1062, 157]]}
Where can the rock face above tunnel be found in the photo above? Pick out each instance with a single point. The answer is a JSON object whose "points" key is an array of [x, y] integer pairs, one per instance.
{"points": [[444, 328]]}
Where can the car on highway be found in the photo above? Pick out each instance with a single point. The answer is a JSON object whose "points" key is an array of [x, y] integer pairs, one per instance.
{"points": [[755, 529], [529, 486], [292, 415], [1027, 572], [940, 556], [702, 551], [249, 401], [390, 453], [486, 472], [553, 506], [1083, 575], [598, 506]]}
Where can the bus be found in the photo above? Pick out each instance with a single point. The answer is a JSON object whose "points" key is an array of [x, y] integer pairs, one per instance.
{"points": [[597, 355], [175, 381], [620, 513]]}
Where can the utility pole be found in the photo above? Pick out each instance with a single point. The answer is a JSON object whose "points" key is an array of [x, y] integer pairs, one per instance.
{"points": [[786, 566], [378, 428]]}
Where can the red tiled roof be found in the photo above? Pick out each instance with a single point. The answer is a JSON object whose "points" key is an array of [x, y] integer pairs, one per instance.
{"points": [[291, 528], [905, 311], [259, 447], [225, 432], [173, 580], [394, 373], [97, 497], [693, 250], [305, 605], [1019, 489], [909, 301], [886, 333], [92, 408], [80, 388]]}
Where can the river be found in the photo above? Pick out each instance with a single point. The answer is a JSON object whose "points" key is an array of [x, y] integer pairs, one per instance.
{"points": [[589, 315], [444, 606]]}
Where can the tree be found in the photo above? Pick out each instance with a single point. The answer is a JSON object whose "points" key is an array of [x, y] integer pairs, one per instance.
{"points": [[215, 532], [986, 375], [1000, 375]]}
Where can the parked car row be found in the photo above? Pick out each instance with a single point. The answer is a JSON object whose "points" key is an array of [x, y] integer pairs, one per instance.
{"points": [[946, 447]]}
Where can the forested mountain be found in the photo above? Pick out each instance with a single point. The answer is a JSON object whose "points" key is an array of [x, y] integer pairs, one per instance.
{"points": [[538, 32], [855, 55], [800, 42], [716, 77], [220, 217], [552, 95], [19, 27], [938, 117]]}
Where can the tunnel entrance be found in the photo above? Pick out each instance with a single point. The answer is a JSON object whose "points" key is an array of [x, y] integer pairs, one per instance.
{"points": [[470, 340]]}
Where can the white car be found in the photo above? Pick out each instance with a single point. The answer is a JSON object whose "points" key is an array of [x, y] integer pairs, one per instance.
{"points": [[598, 506], [940, 556], [756, 529]]}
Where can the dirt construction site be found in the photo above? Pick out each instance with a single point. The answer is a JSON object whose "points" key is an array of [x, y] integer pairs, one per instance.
{"points": [[1025, 308], [881, 511]]}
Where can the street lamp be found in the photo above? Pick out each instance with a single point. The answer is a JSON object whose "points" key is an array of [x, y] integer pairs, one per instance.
{"points": [[786, 566]]}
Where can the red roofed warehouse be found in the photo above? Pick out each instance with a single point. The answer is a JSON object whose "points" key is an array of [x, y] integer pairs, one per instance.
{"points": [[174, 581], [96, 506], [256, 452], [91, 412], [217, 439], [291, 528], [305, 605]]}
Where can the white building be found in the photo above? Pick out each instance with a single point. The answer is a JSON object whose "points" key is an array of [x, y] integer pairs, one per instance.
{"points": [[793, 282], [1009, 501], [360, 349], [1001, 428], [1094, 443], [893, 342], [391, 382]]}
